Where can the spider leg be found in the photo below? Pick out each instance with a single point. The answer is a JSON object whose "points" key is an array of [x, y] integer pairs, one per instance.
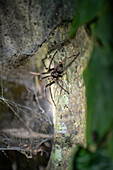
{"points": [[52, 60], [51, 95], [44, 62], [42, 83], [76, 55], [49, 84], [45, 77], [46, 94], [61, 86], [67, 59], [38, 74]]}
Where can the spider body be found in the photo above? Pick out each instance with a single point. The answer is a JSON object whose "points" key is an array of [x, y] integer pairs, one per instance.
{"points": [[57, 72], [54, 74]]}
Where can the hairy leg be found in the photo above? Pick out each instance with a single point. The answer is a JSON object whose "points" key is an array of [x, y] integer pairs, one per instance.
{"points": [[48, 85], [75, 56], [51, 96], [52, 60], [61, 86]]}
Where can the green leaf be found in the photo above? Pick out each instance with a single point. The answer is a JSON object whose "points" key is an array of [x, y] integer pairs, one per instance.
{"points": [[103, 29], [98, 78], [85, 12], [110, 144], [85, 160]]}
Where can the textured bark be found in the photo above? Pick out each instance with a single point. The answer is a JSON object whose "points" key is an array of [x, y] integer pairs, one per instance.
{"points": [[25, 25], [32, 30]]}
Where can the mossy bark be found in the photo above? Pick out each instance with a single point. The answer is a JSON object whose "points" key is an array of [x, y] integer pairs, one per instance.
{"points": [[31, 31]]}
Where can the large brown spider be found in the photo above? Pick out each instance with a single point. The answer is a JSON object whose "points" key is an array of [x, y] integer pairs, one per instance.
{"points": [[53, 74]]}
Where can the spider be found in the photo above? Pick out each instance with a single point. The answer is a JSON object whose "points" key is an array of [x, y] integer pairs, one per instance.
{"points": [[54, 74]]}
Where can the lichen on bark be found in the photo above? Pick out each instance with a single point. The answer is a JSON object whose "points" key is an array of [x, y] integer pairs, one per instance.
{"points": [[30, 30]]}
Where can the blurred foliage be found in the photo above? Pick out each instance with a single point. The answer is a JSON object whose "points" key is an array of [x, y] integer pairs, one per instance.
{"points": [[85, 160], [98, 77]]}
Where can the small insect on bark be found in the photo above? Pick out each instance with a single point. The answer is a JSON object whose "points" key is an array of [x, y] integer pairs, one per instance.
{"points": [[54, 74]]}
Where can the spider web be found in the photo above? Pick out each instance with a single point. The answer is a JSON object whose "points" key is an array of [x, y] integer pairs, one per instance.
{"points": [[24, 123]]}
